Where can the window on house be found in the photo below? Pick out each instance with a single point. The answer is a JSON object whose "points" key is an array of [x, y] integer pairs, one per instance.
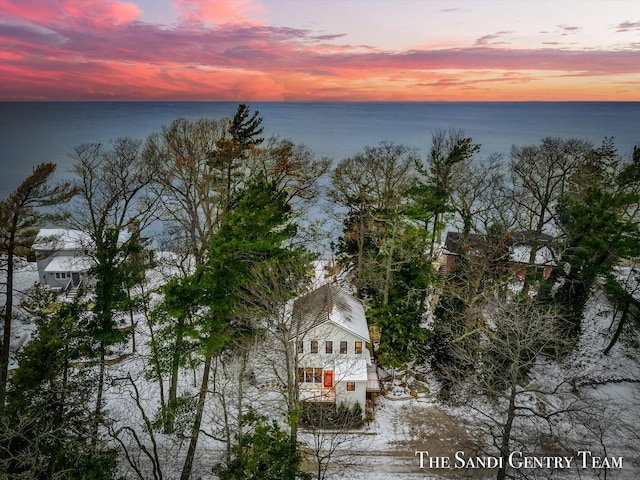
{"points": [[328, 379], [358, 347], [309, 375], [57, 274], [343, 346], [351, 386], [314, 346], [300, 346], [328, 347]]}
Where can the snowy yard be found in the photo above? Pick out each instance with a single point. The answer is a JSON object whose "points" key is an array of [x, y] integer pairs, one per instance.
{"points": [[409, 418]]}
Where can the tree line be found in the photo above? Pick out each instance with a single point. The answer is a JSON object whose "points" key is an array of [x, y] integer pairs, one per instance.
{"points": [[232, 206]]}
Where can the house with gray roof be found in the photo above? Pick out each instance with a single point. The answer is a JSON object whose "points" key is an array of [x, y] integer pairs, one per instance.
{"points": [[334, 359], [63, 258]]}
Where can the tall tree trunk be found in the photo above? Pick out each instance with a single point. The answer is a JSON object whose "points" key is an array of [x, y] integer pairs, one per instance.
{"points": [[244, 358], [292, 387], [195, 432], [621, 323], [226, 414], [388, 274], [156, 364], [173, 385], [98, 410], [133, 328], [361, 239], [6, 338], [506, 435], [535, 245], [8, 314], [435, 233]]}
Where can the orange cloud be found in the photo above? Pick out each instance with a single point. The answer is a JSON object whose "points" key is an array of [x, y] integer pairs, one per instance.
{"points": [[92, 49]]}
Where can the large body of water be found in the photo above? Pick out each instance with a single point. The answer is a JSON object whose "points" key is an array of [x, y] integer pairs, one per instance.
{"points": [[34, 132]]}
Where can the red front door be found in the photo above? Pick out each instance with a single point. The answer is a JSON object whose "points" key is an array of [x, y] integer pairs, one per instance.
{"points": [[328, 379]]}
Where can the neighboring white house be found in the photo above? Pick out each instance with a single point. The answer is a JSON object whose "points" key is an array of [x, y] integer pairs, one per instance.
{"points": [[63, 257], [334, 363]]}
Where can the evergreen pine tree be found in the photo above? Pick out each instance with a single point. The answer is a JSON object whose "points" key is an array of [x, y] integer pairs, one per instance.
{"points": [[48, 427], [264, 452], [20, 216], [253, 236]]}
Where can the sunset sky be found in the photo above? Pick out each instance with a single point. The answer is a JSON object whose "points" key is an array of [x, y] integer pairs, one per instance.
{"points": [[320, 50]]}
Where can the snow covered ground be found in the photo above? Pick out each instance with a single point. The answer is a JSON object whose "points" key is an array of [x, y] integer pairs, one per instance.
{"points": [[410, 418], [26, 275]]}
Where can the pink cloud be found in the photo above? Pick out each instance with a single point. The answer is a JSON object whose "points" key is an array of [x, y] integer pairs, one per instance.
{"points": [[77, 13], [219, 11], [100, 49]]}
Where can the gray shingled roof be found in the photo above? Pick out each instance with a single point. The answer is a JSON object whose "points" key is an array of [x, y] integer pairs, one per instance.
{"points": [[331, 303]]}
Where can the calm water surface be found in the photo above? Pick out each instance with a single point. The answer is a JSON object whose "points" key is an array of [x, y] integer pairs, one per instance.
{"points": [[34, 132]]}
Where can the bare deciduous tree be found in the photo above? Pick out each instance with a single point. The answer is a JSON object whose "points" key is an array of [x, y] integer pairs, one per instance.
{"points": [[185, 183], [540, 174], [111, 200], [293, 168], [372, 186], [515, 336], [477, 195], [330, 433], [137, 450]]}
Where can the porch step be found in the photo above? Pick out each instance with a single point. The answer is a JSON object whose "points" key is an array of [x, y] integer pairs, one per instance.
{"points": [[72, 292]]}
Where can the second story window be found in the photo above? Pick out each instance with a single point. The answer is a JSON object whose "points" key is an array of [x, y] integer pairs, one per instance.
{"points": [[358, 347], [314, 346], [328, 347], [300, 346], [343, 346]]}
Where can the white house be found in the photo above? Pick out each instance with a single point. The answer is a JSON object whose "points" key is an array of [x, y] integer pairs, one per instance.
{"points": [[65, 256], [334, 362], [62, 257]]}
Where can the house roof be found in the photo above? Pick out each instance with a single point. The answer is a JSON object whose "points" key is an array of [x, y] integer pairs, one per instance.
{"points": [[56, 239], [456, 242], [68, 263], [521, 253], [330, 303], [52, 239]]}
